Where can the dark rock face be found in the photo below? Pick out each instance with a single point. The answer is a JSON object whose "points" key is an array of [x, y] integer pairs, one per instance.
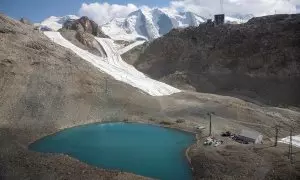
{"points": [[84, 24], [258, 60]]}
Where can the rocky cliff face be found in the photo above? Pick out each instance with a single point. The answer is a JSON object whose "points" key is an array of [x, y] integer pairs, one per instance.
{"points": [[257, 60], [84, 24], [81, 32]]}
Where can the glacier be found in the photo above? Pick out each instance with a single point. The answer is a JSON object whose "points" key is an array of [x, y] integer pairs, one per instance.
{"points": [[115, 66]]}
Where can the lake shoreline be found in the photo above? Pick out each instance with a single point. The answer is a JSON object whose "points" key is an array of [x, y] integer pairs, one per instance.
{"points": [[186, 150]]}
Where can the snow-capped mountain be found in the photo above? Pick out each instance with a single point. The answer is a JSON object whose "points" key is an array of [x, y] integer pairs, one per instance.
{"points": [[149, 24], [144, 24], [55, 23]]}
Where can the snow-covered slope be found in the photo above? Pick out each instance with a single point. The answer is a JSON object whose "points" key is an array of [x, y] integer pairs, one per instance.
{"points": [[55, 23], [233, 20], [295, 140], [115, 66], [149, 24]]}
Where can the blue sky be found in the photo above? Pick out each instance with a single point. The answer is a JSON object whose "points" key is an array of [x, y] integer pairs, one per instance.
{"points": [[38, 10], [101, 12]]}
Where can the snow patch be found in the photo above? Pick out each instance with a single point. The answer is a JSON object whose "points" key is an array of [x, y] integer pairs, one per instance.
{"points": [[56, 23], [295, 140]]}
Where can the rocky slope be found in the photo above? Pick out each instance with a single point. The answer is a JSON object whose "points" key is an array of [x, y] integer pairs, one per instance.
{"points": [[257, 60], [43, 88]]}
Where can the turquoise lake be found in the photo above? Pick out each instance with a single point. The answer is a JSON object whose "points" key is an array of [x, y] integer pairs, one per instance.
{"points": [[142, 149]]}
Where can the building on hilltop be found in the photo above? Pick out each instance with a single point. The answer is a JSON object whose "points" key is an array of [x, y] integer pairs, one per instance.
{"points": [[219, 19]]}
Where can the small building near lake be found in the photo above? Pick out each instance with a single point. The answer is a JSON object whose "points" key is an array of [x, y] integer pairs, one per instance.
{"points": [[250, 136]]}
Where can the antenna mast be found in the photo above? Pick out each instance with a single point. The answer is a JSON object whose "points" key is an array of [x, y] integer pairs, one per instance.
{"points": [[221, 6]]}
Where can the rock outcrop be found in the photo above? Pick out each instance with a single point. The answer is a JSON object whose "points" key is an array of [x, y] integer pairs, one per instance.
{"points": [[25, 21], [81, 32], [84, 24], [257, 60]]}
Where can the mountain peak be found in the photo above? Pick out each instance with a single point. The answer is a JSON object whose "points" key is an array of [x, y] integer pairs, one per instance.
{"points": [[145, 23], [55, 23], [148, 24]]}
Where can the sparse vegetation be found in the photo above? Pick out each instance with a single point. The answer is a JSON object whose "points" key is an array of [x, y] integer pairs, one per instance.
{"points": [[180, 121], [167, 123], [151, 119], [125, 120]]}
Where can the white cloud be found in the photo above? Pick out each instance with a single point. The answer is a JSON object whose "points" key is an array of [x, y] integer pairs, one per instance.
{"points": [[104, 12], [255, 7]]}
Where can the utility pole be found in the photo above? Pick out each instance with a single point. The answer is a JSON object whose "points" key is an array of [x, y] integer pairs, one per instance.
{"points": [[221, 6], [210, 113], [209, 124], [276, 134], [290, 11], [106, 88], [291, 146]]}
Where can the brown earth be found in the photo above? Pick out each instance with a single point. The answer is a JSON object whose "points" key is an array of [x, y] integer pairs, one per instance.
{"points": [[45, 88]]}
